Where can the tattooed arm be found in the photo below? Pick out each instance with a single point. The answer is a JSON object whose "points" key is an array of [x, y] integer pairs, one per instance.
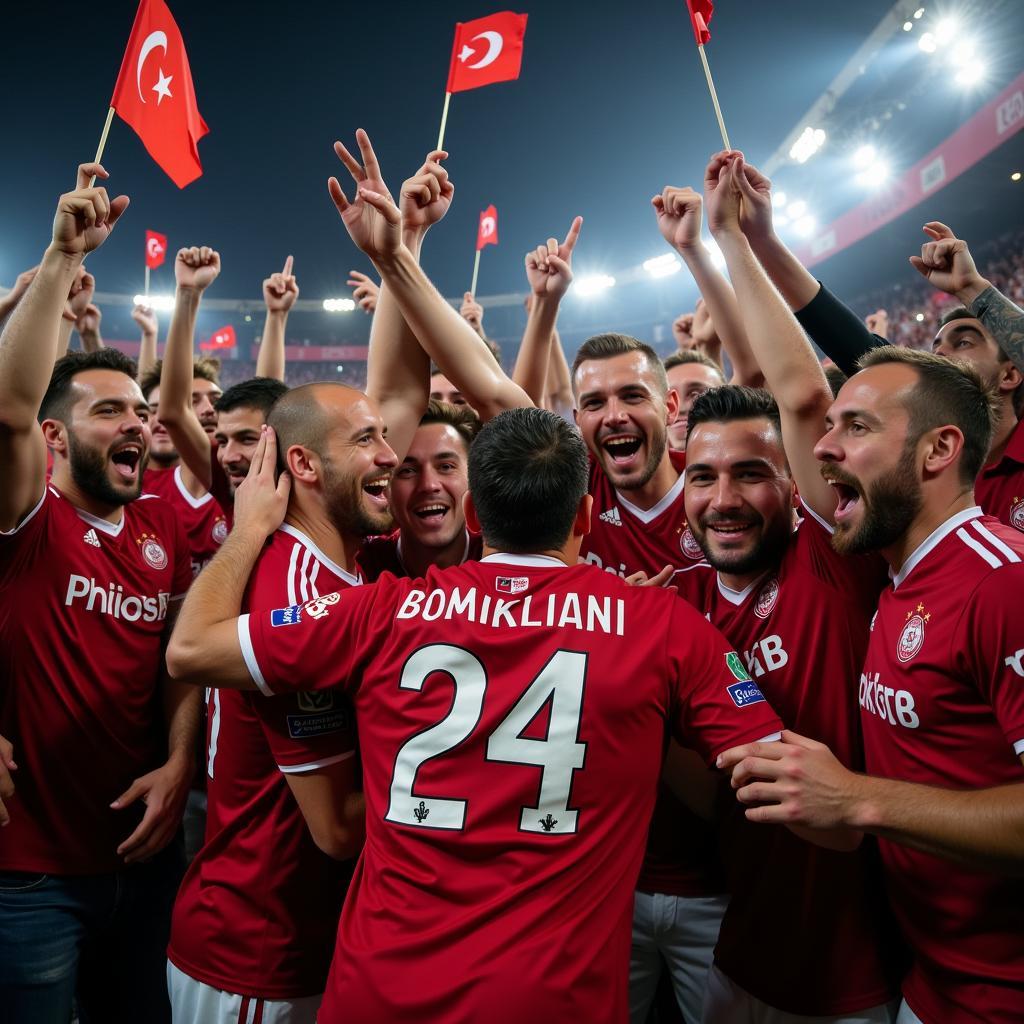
{"points": [[1005, 320]]}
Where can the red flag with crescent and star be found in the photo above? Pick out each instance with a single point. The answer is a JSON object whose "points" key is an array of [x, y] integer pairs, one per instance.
{"points": [[486, 51], [487, 231], [224, 338], [700, 18], [154, 93], [156, 249]]}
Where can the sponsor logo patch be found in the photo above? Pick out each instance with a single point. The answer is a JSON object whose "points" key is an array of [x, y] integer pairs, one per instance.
{"points": [[511, 584], [732, 659], [153, 553], [290, 616], [767, 598], [318, 607], [745, 693], [318, 724], [912, 638], [91, 539], [611, 516]]}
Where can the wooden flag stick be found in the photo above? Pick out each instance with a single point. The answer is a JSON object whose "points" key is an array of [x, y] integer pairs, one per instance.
{"points": [[146, 289], [444, 120], [476, 272], [103, 143], [714, 97]]}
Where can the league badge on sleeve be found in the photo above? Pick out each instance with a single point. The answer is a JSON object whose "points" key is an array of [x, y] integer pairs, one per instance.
{"points": [[912, 638], [290, 616]]}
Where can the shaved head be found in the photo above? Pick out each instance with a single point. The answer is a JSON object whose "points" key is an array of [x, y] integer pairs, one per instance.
{"points": [[307, 415]]}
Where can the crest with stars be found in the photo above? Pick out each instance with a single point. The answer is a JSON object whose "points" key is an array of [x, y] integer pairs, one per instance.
{"points": [[912, 637]]}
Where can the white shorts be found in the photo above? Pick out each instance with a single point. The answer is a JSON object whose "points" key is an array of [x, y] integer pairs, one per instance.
{"points": [[727, 1003], [193, 1002]]}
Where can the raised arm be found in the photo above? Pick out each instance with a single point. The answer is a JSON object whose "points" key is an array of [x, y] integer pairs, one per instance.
{"points": [[79, 297], [375, 225], [549, 274], [146, 320], [279, 293], [792, 371], [559, 379], [88, 327], [13, 297], [947, 263], [195, 270], [28, 346], [679, 213]]}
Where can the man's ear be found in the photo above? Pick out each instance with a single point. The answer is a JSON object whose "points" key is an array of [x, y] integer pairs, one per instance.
{"points": [[469, 510], [302, 464], [56, 436], [581, 524]]}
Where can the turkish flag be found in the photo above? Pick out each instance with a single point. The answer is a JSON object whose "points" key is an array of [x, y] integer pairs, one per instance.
{"points": [[487, 231], [486, 51], [224, 338], [700, 18], [156, 249], [154, 93]]}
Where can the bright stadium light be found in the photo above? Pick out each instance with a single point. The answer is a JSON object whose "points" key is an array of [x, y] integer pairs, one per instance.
{"points": [[779, 200], [593, 284], [1015, 176], [946, 30], [927, 43], [663, 266], [797, 209], [864, 156], [875, 174], [919, 318], [963, 53], [918, 14], [781, 220], [908, 26], [805, 226], [161, 302], [970, 75], [810, 141], [338, 305]]}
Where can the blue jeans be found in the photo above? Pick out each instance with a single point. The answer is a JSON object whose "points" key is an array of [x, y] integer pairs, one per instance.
{"points": [[98, 941]]}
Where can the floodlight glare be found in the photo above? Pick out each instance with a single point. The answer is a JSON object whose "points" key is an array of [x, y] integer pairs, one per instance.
{"points": [[715, 253], [972, 74], [1015, 176], [810, 141], [864, 156], [593, 284], [663, 266], [339, 305], [162, 302], [918, 14], [797, 209], [874, 174], [919, 318], [907, 26], [927, 43], [779, 200], [781, 220], [963, 53], [805, 226], [946, 30]]}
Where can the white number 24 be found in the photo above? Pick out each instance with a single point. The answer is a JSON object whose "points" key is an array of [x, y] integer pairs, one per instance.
{"points": [[558, 755]]}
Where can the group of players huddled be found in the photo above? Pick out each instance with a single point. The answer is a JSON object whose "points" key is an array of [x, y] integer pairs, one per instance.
{"points": [[526, 694]]}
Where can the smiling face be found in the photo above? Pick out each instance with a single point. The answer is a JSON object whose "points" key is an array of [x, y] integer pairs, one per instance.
{"points": [[108, 436], [623, 416], [427, 488], [739, 495], [689, 381], [204, 394]]}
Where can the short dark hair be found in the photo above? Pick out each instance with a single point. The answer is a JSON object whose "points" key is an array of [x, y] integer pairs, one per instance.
{"points": [[957, 313], [255, 393], [461, 418], [59, 395], [528, 471], [733, 402], [607, 346], [947, 392], [203, 367], [836, 379], [687, 356]]}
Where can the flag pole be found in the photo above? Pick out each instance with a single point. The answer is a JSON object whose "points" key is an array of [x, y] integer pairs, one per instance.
{"points": [[103, 142], [714, 96], [146, 289], [444, 120], [476, 272]]}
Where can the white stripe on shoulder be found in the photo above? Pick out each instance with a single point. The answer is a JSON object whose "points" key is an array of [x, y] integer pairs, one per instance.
{"points": [[292, 564], [298, 769], [976, 546], [1000, 545], [245, 642]]}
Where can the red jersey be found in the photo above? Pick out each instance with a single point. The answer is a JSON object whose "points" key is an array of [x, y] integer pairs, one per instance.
{"points": [[258, 909], [205, 524], [999, 488], [512, 718], [942, 704], [83, 611], [803, 633], [384, 554]]}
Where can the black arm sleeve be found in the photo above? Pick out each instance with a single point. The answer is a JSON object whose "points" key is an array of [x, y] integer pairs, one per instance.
{"points": [[837, 330]]}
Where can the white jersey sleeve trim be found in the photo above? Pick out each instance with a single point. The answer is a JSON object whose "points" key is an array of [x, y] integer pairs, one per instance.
{"points": [[1018, 747], [298, 769], [38, 505], [245, 642], [828, 527]]}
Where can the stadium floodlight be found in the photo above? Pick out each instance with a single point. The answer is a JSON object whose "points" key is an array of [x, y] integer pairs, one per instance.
{"points": [[946, 30], [963, 53], [593, 284], [918, 14], [919, 318], [864, 156], [875, 174], [927, 43], [805, 226], [908, 26], [810, 141], [663, 266], [1015, 176], [160, 302], [339, 305], [339, 368], [797, 209], [970, 75], [779, 200]]}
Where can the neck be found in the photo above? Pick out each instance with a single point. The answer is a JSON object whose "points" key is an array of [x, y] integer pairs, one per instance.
{"points": [[341, 549], [665, 477], [569, 553], [417, 559], [926, 523], [1004, 429], [741, 581]]}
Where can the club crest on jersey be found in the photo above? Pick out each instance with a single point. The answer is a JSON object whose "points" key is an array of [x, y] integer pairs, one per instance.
{"points": [[744, 694], [511, 584], [611, 516], [318, 700], [912, 638], [153, 553], [766, 599], [318, 607], [290, 616], [689, 546], [220, 530], [1017, 514]]}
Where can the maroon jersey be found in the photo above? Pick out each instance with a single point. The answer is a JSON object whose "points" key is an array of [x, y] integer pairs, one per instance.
{"points": [[258, 909], [384, 554], [205, 524], [999, 488], [83, 610], [942, 704], [803, 633], [512, 719]]}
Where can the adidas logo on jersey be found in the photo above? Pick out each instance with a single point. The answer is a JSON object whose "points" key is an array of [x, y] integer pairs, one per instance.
{"points": [[91, 538], [611, 516]]}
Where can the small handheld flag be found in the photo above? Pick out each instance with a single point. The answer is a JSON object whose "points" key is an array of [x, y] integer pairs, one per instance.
{"points": [[487, 230], [224, 338], [156, 249], [700, 18]]}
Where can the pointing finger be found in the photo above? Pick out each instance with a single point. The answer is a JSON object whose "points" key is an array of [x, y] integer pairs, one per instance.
{"points": [[369, 157], [351, 163], [287, 272], [573, 233]]}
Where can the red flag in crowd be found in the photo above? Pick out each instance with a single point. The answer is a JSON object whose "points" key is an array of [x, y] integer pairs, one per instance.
{"points": [[487, 232], [156, 249], [700, 18], [224, 338], [486, 51], [154, 93]]}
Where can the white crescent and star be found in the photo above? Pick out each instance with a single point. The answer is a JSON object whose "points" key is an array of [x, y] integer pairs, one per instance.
{"points": [[152, 42], [495, 42], [487, 226], [154, 248]]}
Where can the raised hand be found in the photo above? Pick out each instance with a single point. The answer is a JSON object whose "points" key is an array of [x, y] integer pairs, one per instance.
{"points": [[145, 318], [80, 295], [704, 333], [472, 312], [197, 267], [721, 192], [878, 323], [261, 499], [682, 331], [281, 290], [756, 208], [89, 321], [371, 219], [679, 216], [549, 267], [365, 292], [946, 261], [86, 216], [426, 196], [21, 283]]}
